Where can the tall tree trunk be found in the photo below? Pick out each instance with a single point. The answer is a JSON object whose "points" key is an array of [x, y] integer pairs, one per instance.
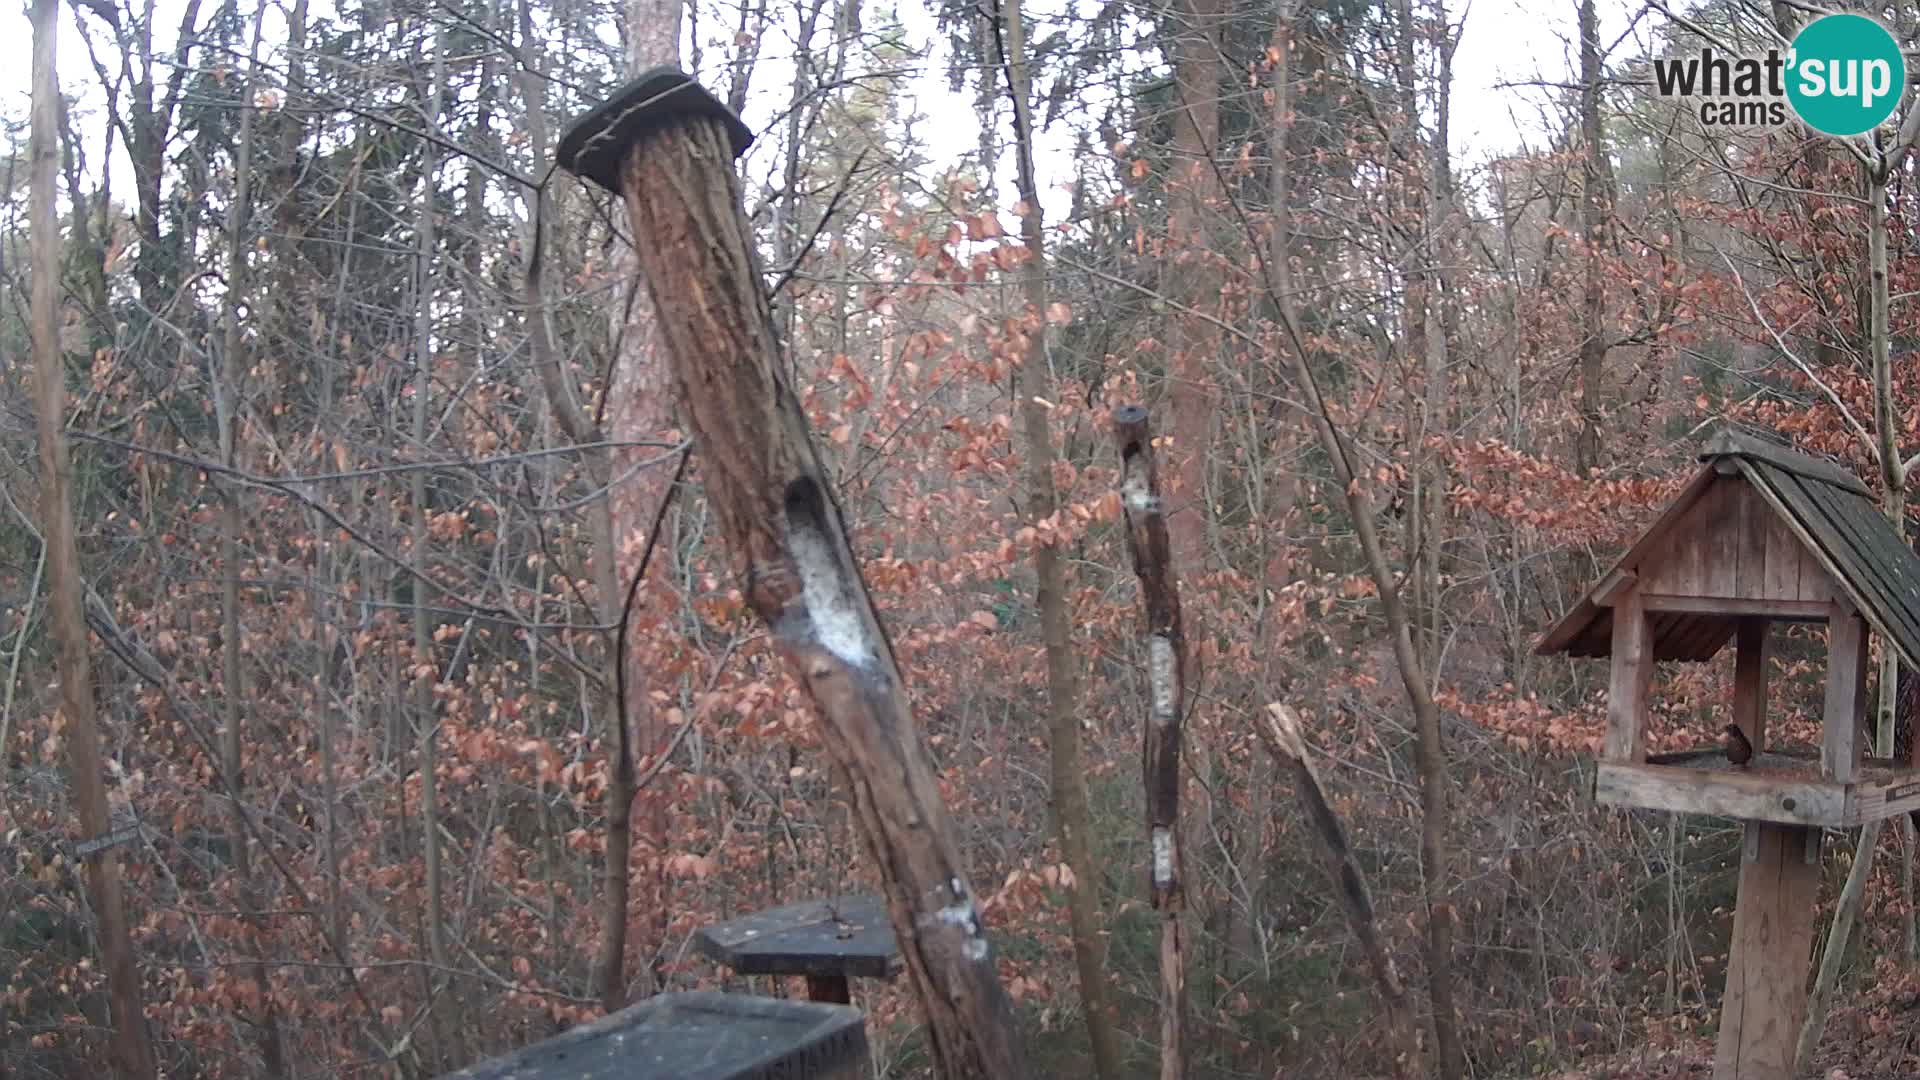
{"points": [[1595, 185], [639, 409], [1193, 341], [1416, 196], [1443, 309], [131, 1052], [1193, 275], [1031, 385], [229, 402], [425, 672]]}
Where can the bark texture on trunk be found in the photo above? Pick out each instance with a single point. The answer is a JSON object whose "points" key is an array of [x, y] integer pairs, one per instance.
{"points": [[425, 672], [1193, 342]]}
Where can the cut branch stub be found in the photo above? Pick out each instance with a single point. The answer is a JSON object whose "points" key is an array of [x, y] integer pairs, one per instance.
{"points": [[1166, 646], [674, 145]]}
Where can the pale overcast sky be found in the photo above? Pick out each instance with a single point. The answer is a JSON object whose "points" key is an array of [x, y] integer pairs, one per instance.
{"points": [[1504, 42]]}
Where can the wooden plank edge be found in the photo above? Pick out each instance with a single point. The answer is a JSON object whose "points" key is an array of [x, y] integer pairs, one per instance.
{"points": [[1733, 795]]}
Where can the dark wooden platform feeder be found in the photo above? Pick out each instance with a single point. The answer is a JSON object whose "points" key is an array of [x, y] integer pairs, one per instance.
{"points": [[1761, 534], [697, 1036], [828, 941]]}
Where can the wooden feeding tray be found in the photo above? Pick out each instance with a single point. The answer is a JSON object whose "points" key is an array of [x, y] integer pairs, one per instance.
{"points": [[825, 940], [697, 1036], [1778, 786]]}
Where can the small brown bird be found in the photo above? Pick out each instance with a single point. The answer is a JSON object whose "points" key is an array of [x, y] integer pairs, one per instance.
{"points": [[1739, 750]]}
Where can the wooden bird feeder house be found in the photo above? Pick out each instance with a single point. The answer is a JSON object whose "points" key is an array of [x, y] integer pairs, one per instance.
{"points": [[1761, 534]]}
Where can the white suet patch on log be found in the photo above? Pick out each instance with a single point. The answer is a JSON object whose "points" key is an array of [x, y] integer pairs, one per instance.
{"points": [[1133, 489], [1163, 675], [1162, 857], [833, 602]]}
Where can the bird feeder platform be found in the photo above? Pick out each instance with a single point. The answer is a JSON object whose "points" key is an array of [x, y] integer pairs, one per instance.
{"points": [[697, 1036], [1761, 534], [1776, 786], [827, 941]]}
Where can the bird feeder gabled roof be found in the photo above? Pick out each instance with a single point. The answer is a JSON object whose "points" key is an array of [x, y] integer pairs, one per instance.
{"points": [[1754, 500]]}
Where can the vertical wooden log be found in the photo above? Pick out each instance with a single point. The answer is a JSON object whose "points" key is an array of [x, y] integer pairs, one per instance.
{"points": [[1846, 694], [1160, 743], [1750, 680], [1627, 690], [667, 146], [1773, 923]]}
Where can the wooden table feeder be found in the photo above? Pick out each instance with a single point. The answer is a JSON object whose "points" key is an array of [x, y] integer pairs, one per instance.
{"points": [[828, 941], [697, 1036], [1760, 535]]}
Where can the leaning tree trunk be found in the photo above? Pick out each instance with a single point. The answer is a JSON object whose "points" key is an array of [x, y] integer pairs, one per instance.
{"points": [[667, 146], [1281, 732], [132, 1054]]}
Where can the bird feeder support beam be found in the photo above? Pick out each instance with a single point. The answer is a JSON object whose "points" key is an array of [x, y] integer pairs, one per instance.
{"points": [[1840, 743], [1631, 672], [1750, 680], [1773, 925]]}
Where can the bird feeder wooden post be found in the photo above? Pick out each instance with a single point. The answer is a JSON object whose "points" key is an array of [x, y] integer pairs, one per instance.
{"points": [[1760, 535], [667, 146]]}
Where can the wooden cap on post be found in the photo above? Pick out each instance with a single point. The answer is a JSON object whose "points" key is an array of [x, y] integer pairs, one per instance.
{"points": [[595, 146], [1130, 425]]}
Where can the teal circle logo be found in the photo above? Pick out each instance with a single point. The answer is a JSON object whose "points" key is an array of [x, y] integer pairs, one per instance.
{"points": [[1846, 74]]}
